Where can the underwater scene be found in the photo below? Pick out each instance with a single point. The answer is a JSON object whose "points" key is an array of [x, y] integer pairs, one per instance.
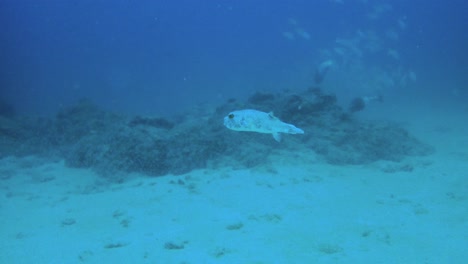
{"points": [[222, 131]]}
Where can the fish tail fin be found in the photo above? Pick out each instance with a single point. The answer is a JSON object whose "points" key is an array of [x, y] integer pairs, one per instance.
{"points": [[294, 130]]}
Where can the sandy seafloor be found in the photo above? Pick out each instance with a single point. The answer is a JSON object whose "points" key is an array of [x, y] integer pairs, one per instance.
{"points": [[295, 209]]}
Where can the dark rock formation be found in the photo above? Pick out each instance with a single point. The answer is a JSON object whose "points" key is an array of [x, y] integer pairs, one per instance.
{"points": [[87, 136]]}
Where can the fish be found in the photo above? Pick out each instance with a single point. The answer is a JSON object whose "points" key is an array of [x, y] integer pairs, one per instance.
{"points": [[322, 70], [251, 120]]}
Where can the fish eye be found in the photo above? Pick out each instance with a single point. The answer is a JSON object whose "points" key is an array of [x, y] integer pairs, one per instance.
{"points": [[231, 116]]}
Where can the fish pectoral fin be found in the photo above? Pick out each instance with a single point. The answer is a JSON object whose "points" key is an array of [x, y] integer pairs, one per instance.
{"points": [[277, 136]]}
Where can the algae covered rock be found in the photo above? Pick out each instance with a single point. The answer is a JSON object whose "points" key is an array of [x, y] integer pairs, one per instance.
{"points": [[87, 136]]}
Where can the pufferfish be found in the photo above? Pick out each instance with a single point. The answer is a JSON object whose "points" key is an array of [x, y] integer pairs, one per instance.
{"points": [[261, 122]]}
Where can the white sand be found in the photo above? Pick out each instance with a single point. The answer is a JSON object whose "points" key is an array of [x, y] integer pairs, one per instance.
{"points": [[293, 210]]}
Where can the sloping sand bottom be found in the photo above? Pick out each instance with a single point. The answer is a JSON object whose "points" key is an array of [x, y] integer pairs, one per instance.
{"points": [[293, 210]]}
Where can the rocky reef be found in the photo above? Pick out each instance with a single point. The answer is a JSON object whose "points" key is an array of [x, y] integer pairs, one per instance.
{"points": [[86, 136]]}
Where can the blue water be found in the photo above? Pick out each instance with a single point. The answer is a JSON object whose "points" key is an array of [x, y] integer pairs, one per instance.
{"points": [[159, 57]]}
